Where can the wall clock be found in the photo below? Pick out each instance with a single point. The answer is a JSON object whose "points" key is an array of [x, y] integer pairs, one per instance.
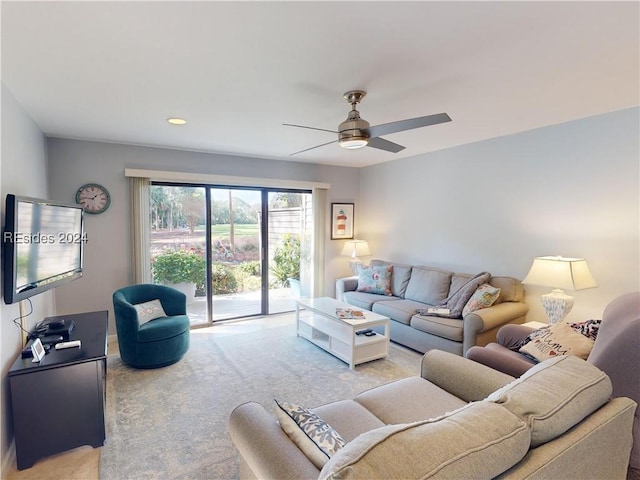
{"points": [[93, 197]]}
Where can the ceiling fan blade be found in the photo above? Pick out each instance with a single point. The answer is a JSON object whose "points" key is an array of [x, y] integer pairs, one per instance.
{"points": [[402, 125], [310, 128], [386, 145], [307, 149]]}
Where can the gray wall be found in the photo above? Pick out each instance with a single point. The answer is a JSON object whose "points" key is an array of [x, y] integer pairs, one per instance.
{"points": [[73, 163], [23, 171], [570, 189]]}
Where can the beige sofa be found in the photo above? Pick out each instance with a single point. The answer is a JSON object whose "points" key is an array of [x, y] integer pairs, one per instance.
{"points": [[556, 421], [415, 288]]}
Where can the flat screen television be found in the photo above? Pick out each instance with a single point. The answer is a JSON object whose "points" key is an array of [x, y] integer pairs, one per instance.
{"points": [[43, 244]]}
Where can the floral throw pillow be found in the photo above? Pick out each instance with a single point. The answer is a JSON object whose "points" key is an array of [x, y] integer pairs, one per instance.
{"points": [[375, 279], [589, 328], [484, 296], [315, 437]]}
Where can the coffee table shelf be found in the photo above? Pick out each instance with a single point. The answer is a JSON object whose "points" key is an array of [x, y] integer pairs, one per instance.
{"points": [[317, 322]]}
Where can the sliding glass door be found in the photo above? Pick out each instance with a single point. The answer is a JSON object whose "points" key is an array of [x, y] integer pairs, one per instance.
{"points": [[236, 260], [179, 244], [238, 251], [289, 243]]}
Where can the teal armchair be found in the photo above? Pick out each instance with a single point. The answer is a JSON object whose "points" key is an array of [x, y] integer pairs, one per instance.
{"points": [[156, 343]]}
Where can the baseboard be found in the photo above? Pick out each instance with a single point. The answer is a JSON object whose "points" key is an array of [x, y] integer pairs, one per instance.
{"points": [[8, 461]]}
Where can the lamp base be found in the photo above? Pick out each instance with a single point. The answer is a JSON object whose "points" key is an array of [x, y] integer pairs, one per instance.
{"points": [[355, 265], [557, 305]]}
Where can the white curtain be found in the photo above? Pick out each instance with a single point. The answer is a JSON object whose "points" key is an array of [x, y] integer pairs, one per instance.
{"points": [[140, 230]]}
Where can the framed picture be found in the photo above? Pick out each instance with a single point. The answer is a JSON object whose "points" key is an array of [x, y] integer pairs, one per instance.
{"points": [[342, 221]]}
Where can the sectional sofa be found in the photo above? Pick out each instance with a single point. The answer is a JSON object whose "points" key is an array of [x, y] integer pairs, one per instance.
{"points": [[458, 419], [414, 291]]}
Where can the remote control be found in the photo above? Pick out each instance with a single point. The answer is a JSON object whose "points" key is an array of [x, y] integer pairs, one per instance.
{"points": [[363, 332], [438, 311], [71, 344]]}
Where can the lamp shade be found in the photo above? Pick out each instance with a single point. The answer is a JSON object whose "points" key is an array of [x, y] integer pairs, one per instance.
{"points": [[560, 272], [356, 248]]}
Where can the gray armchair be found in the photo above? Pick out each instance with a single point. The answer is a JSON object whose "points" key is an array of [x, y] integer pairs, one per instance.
{"points": [[616, 352]]}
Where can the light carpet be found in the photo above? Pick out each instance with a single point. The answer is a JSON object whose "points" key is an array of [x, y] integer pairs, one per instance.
{"points": [[171, 423]]}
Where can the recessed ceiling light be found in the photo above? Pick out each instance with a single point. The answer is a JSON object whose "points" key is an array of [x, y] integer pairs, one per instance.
{"points": [[176, 121]]}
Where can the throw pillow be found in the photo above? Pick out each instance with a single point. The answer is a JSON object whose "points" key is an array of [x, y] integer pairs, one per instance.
{"points": [[315, 437], [375, 280], [148, 311], [457, 300], [589, 328], [484, 296], [555, 340]]}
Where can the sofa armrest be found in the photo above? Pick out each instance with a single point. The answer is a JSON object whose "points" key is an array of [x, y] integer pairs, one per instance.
{"points": [[345, 284], [264, 446], [486, 322], [500, 358], [464, 378], [511, 335]]}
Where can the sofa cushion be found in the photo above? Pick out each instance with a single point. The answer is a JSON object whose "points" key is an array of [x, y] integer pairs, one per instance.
{"points": [[399, 277], [348, 417], [480, 440], [408, 400], [450, 328], [315, 437], [554, 340], [148, 311], [399, 310], [428, 285], [554, 395], [484, 296], [375, 280], [365, 300]]}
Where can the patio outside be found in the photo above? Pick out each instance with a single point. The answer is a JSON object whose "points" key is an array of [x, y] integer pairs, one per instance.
{"points": [[178, 252]]}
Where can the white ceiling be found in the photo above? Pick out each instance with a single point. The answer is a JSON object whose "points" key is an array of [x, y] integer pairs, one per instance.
{"points": [[114, 71]]}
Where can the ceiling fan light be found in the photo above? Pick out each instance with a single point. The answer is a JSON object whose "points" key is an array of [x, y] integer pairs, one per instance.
{"points": [[354, 142]]}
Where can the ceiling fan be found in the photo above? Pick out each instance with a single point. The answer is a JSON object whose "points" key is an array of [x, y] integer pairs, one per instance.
{"points": [[355, 132]]}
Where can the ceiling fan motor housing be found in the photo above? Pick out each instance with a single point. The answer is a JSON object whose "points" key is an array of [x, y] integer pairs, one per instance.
{"points": [[353, 132]]}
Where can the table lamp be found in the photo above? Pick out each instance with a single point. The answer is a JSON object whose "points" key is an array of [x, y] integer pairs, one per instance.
{"points": [[354, 249], [559, 273]]}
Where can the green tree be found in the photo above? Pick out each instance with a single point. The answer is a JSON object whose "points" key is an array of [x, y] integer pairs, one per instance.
{"points": [[286, 260], [192, 201]]}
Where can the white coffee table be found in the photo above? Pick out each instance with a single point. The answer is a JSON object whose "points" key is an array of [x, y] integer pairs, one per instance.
{"points": [[317, 321]]}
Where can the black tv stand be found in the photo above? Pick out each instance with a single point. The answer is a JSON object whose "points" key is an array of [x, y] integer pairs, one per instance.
{"points": [[58, 403]]}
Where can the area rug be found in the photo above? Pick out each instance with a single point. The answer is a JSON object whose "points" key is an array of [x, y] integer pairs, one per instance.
{"points": [[171, 423]]}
